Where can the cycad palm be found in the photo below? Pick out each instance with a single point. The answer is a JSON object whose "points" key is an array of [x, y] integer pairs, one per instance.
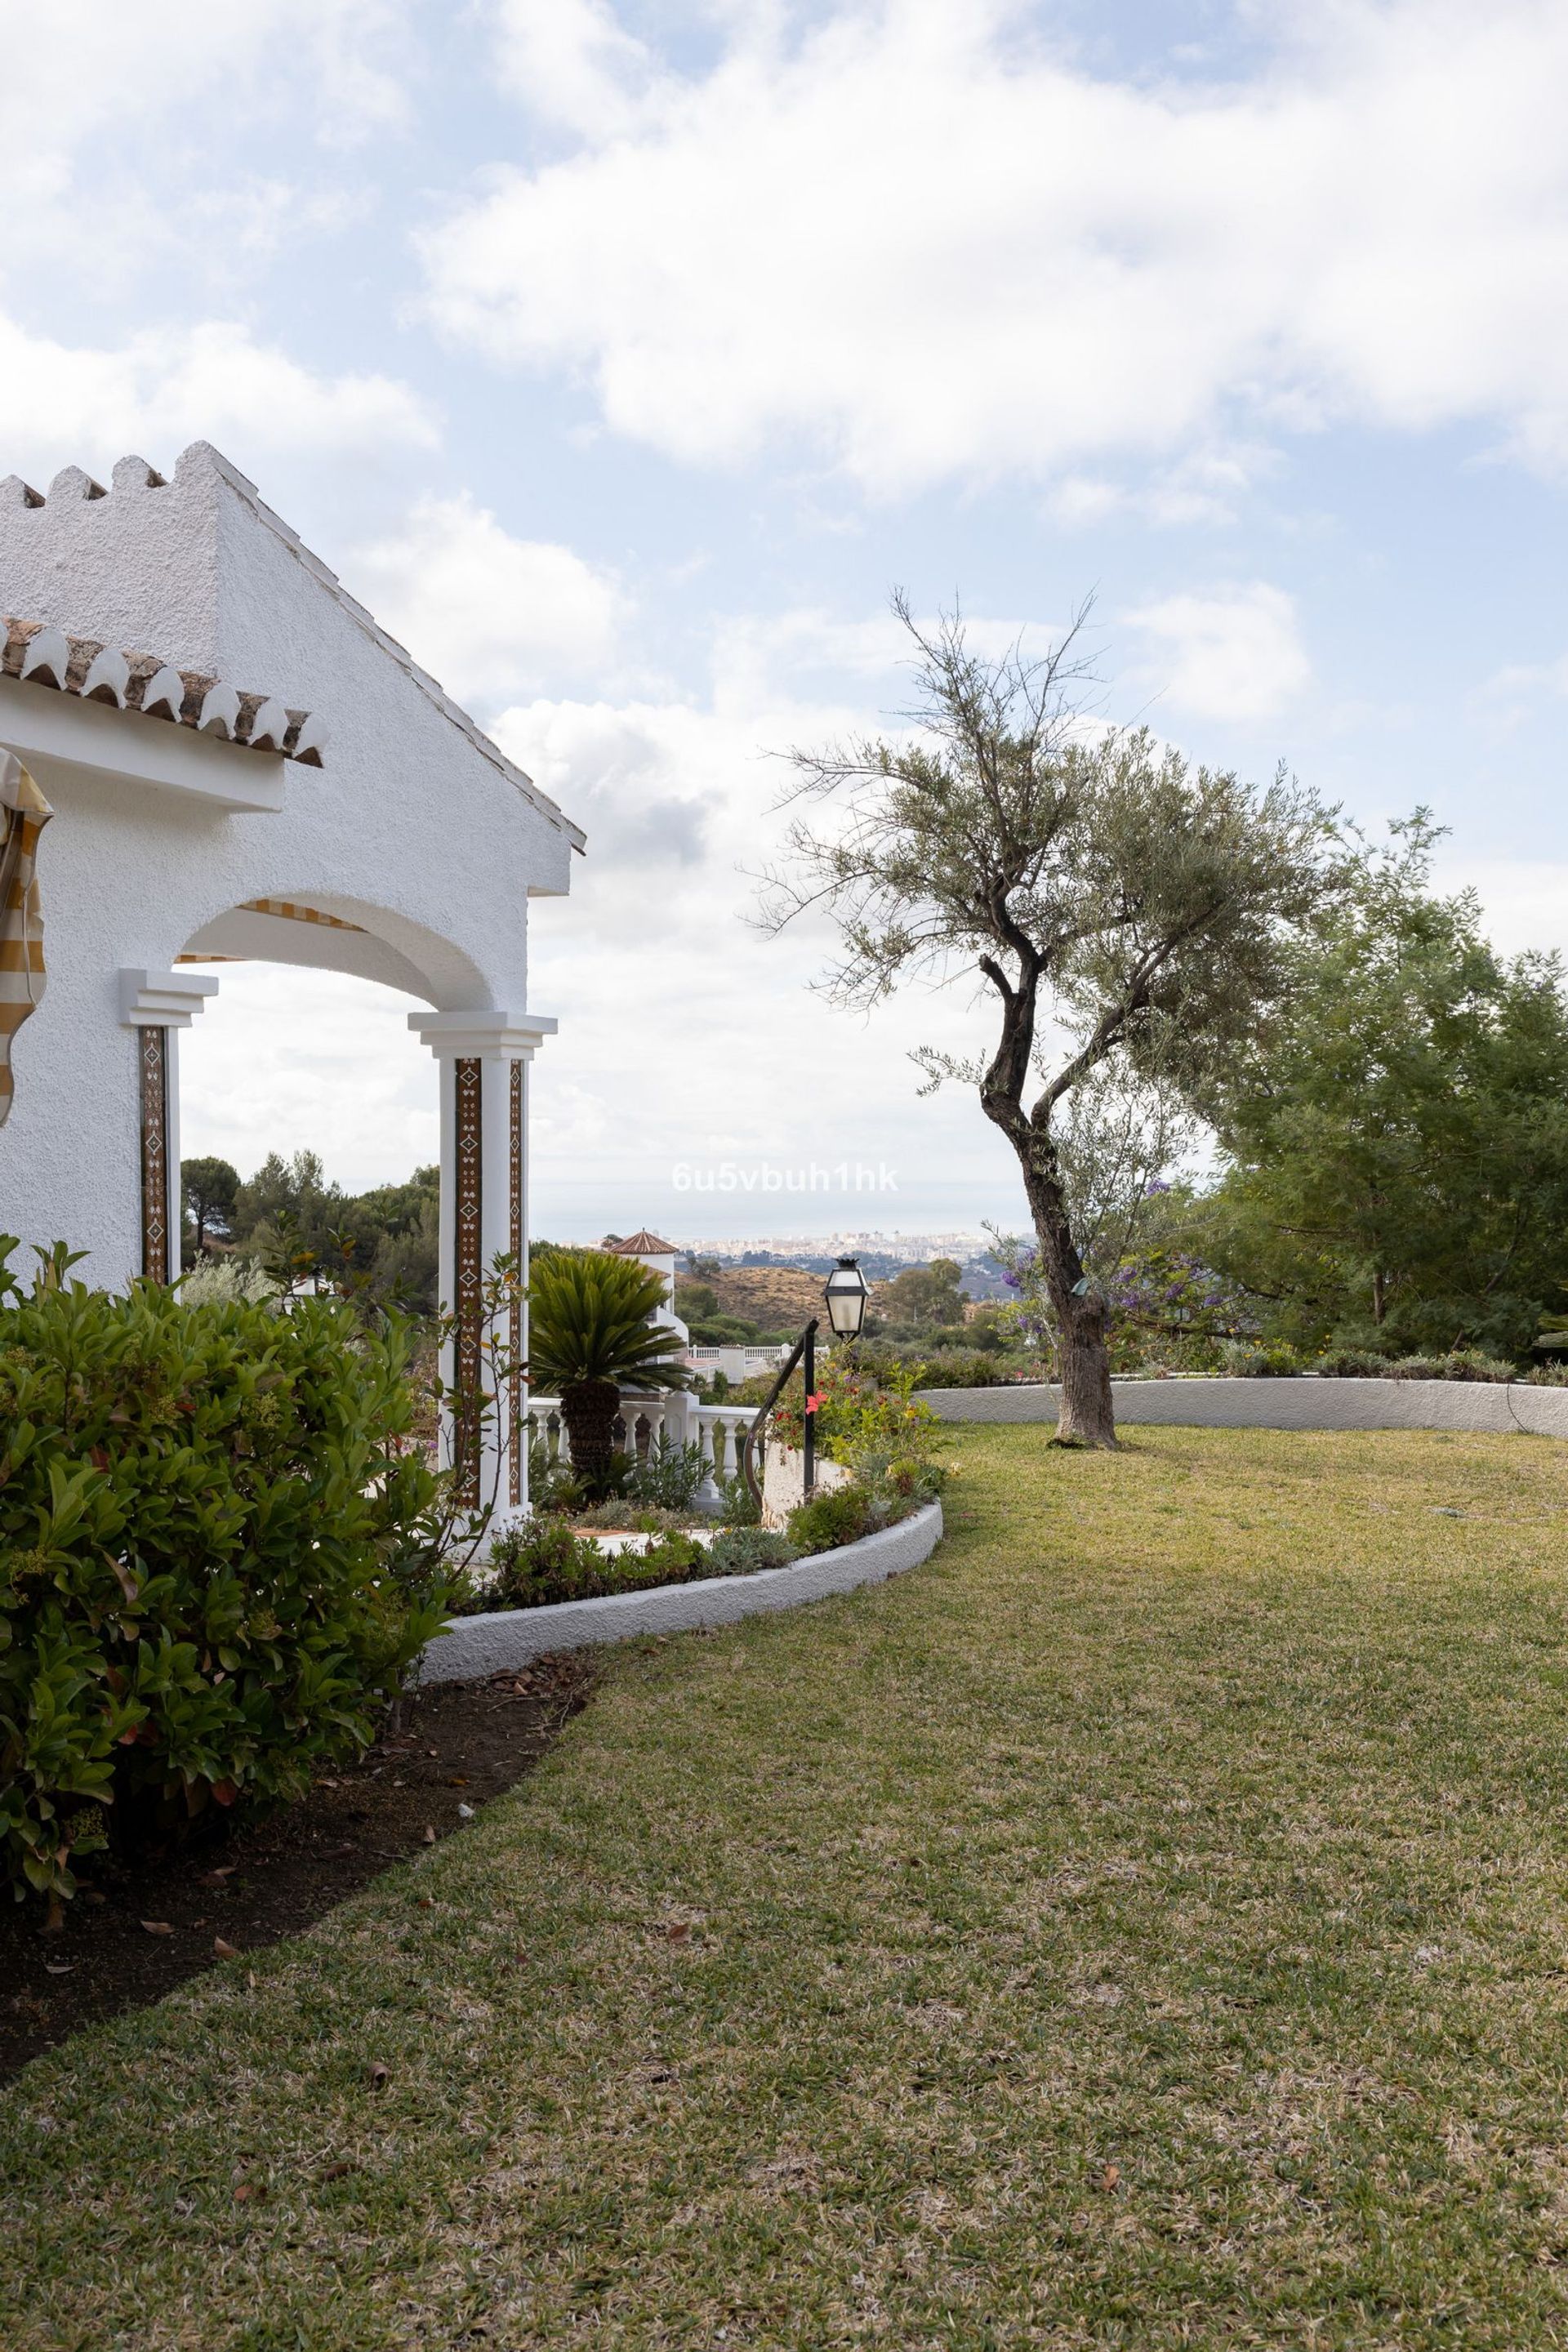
{"points": [[589, 1330]]}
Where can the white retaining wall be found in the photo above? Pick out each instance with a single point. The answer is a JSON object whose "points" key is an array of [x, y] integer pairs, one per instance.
{"points": [[1308, 1402], [512, 1637]]}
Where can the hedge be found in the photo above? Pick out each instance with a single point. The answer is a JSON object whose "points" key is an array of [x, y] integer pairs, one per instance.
{"points": [[218, 1559]]}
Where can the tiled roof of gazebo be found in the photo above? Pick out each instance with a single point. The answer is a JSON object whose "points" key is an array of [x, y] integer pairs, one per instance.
{"points": [[96, 672], [643, 1245]]}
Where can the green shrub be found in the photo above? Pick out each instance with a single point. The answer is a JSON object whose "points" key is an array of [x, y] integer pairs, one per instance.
{"points": [[216, 1560], [1459, 1364], [1352, 1364], [743, 1551], [631, 1518], [668, 1476], [738, 1508], [1270, 1360], [838, 1515], [676, 1560], [899, 1484], [543, 1562], [965, 1367], [553, 1484]]}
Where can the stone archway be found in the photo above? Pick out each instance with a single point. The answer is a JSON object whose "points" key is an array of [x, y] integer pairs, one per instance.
{"points": [[481, 1055]]}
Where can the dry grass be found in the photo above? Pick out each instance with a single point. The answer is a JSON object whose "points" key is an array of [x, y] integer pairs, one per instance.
{"points": [[1146, 1924]]}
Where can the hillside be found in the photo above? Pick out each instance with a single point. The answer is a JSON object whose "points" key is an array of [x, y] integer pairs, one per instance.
{"points": [[779, 1297]]}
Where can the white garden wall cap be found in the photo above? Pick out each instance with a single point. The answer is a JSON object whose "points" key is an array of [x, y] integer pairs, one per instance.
{"points": [[1325, 1403], [505, 1638], [41, 655]]}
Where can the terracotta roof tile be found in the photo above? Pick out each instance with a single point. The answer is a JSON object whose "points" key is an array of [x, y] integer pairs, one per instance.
{"points": [[42, 655]]}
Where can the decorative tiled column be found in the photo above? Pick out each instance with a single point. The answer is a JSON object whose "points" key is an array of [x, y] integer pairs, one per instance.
{"points": [[155, 1006], [483, 1059]]}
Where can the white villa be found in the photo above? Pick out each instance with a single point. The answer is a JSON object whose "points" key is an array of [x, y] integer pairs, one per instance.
{"points": [[229, 759]]}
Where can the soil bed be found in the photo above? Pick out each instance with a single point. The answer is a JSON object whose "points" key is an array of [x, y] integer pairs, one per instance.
{"points": [[461, 1744]]}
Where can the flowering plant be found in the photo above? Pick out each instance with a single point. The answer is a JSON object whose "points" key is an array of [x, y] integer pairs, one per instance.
{"points": [[1157, 1294], [858, 1414]]}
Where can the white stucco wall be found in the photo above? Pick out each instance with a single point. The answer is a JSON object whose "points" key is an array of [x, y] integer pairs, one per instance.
{"points": [[413, 828], [473, 1647], [1309, 1403]]}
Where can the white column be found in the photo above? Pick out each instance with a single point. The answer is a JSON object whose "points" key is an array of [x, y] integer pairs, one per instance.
{"points": [[484, 1215], [156, 1005]]}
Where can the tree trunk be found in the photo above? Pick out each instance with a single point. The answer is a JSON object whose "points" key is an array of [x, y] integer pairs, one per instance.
{"points": [[1087, 1416], [589, 1408]]}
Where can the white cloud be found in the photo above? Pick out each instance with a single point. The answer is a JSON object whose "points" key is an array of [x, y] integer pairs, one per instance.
{"points": [[487, 614], [1234, 655], [197, 143], [631, 774], [1204, 485], [77, 76], [685, 1033], [167, 386], [572, 64], [915, 237], [1511, 694]]}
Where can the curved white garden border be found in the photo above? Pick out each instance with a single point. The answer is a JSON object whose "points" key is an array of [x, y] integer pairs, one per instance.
{"points": [[1310, 1403], [512, 1637]]}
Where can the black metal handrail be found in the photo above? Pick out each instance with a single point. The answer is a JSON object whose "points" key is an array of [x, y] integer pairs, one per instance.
{"points": [[754, 1431]]}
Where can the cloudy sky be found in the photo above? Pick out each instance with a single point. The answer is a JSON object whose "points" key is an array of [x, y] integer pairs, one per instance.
{"points": [[623, 357]]}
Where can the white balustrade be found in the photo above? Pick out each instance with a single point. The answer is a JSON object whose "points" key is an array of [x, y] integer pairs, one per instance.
{"points": [[718, 1430]]}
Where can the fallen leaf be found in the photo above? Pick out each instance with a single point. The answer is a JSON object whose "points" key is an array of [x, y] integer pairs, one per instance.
{"points": [[378, 2073], [336, 2171], [458, 1780], [429, 1837], [224, 1952], [249, 2192], [1110, 2176], [425, 1902], [157, 1927], [58, 1968], [223, 1792], [216, 1877], [678, 1932]]}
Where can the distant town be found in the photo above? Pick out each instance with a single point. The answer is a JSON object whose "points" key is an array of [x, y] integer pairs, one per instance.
{"points": [[882, 1255]]}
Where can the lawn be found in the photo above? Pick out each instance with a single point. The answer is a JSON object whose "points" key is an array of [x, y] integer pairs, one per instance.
{"points": [[1145, 1924]]}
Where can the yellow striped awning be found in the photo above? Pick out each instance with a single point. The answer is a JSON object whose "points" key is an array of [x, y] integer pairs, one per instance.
{"points": [[24, 812]]}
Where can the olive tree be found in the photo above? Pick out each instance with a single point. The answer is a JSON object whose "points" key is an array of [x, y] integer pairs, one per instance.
{"points": [[1118, 905]]}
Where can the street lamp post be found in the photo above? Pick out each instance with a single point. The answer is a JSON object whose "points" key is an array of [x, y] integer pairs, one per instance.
{"points": [[845, 1294]]}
